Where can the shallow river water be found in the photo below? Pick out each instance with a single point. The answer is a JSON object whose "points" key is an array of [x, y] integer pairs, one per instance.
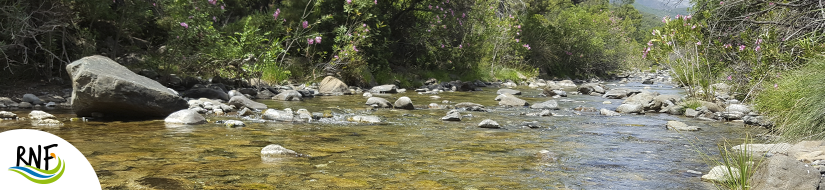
{"points": [[413, 149]]}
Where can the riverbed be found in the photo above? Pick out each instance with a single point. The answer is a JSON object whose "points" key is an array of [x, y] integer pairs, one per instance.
{"points": [[410, 149]]}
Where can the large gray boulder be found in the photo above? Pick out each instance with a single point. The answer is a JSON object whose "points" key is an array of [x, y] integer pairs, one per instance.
{"points": [[31, 98], [332, 86], [738, 108], [630, 108], [365, 119], [278, 115], [186, 117], [663, 101], [7, 115], [488, 123], [275, 150], [508, 91], [452, 115], [785, 172], [377, 102], [721, 174], [404, 103], [591, 87], [389, 88], [616, 93], [40, 115], [103, 86], [203, 92], [554, 92], [549, 104], [288, 95], [8, 102], [607, 112], [644, 98], [679, 126], [510, 100], [242, 101]]}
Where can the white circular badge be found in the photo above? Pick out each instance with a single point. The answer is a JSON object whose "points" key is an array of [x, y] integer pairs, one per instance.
{"points": [[34, 159]]}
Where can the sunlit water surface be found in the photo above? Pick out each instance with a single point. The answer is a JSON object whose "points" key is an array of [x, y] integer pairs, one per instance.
{"points": [[413, 149]]}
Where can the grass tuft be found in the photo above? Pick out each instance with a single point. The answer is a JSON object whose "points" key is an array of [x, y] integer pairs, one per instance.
{"points": [[795, 102]]}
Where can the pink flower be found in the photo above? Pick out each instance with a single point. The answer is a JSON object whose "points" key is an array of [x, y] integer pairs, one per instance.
{"points": [[336, 56], [349, 1], [758, 48], [460, 46], [354, 49], [376, 2], [463, 15], [775, 86], [154, 5], [741, 47], [214, 18], [721, 2], [277, 12], [517, 40], [758, 41], [694, 27], [729, 77], [430, 6], [190, 17], [305, 24], [442, 45], [649, 43], [318, 39], [519, 26], [699, 43], [771, 3], [310, 41], [213, 2], [221, 7], [184, 25]]}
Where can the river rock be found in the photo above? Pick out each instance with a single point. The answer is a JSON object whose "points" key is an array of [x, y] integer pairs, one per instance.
{"points": [[487, 123], [644, 98], [452, 115], [7, 115], [591, 87], [25, 105], [630, 108], [607, 112], [616, 93], [389, 88], [288, 95], [404, 103], [31, 98], [758, 121], [691, 112], [186, 117], [264, 94], [233, 123], [205, 93], [647, 81], [679, 126], [8, 102], [808, 151], [757, 149], [333, 86], [711, 106], [720, 174], [278, 115], [549, 104], [554, 92], [566, 84], [103, 86], [784, 172], [242, 101], [365, 119], [510, 100], [40, 115], [508, 91], [540, 114], [663, 101], [46, 122], [469, 106], [233, 93], [738, 108], [733, 115], [378, 102], [304, 115], [275, 150]]}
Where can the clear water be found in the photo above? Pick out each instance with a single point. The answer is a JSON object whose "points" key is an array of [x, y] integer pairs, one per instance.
{"points": [[413, 149]]}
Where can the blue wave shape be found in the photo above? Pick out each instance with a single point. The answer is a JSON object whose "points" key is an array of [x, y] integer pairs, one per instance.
{"points": [[31, 172]]}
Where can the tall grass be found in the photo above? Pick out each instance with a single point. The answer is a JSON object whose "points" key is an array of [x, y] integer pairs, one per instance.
{"points": [[796, 103], [740, 165], [688, 67]]}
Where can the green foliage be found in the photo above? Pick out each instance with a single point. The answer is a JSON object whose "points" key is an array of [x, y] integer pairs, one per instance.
{"points": [[794, 101], [733, 160], [692, 104]]}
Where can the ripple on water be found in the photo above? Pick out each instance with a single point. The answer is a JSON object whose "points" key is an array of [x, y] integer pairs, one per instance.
{"points": [[414, 149]]}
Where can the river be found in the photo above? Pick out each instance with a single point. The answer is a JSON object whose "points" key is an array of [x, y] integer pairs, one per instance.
{"points": [[412, 149]]}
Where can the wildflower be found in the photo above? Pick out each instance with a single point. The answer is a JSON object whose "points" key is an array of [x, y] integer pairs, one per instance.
{"points": [[699, 43], [757, 48], [376, 2], [669, 43], [354, 49], [190, 17], [442, 45], [349, 1], [430, 6], [463, 15], [517, 40], [519, 26], [154, 5], [775, 86], [428, 30], [758, 41], [305, 24], [213, 2], [277, 12], [729, 77], [721, 3], [694, 27], [221, 7], [650, 43], [318, 39], [741, 47], [771, 3], [310, 41], [687, 17], [214, 18], [336, 56], [460, 46], [184, 25]]}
